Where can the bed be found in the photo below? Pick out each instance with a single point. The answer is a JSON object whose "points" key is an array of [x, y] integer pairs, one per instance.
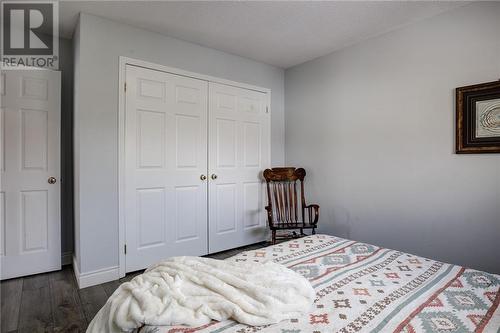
{"points": [[365, 288]]}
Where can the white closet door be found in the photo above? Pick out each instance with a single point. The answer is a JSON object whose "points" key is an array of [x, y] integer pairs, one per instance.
{"points": [[239, 150], [165, 200], [30, 226]]}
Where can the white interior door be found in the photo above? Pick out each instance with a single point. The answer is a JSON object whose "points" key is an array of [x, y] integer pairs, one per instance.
{"points": [[239, 150], [165, 200], [30, 228]]}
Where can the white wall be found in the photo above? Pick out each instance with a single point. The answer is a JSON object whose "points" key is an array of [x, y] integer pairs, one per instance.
{"points": [[101, 42], [373, 125], [76, 146], [66, 68]]}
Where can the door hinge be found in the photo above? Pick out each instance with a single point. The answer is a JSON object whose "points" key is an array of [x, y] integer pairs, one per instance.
{"points": [[267, 109], [125, 86], [125, 248]]}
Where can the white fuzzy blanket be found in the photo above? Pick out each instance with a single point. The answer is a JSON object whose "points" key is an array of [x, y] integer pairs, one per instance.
{"points": [[193, 291]]}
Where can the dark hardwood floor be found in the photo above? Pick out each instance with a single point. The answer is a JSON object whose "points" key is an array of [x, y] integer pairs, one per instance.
{"points": [[52, 302]]}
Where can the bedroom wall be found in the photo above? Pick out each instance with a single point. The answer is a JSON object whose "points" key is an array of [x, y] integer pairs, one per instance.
{"points": [[373, 124], [66, 68], [76, 148], [100, 43]]}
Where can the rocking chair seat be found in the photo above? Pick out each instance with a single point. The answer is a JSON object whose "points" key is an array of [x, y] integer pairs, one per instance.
{"points": [[298, 225]]}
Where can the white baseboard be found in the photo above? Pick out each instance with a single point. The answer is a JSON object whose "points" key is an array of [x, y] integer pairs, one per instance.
{"points": [[93, 278], [66, 258]]}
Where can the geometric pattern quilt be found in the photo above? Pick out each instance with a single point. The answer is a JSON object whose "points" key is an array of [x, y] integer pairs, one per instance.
{"points": [[366, 288]]}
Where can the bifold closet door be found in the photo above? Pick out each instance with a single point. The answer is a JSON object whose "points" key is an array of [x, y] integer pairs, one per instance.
{"points": [[165, 203], [30, 219], [239, 150]]}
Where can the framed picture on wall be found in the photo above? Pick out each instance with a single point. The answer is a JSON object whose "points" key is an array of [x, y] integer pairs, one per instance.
{"points": [[478, 118]]}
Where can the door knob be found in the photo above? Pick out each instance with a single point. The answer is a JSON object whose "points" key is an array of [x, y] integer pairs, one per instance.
{"points": [[214, 176], [52, 180], [203, 177]]}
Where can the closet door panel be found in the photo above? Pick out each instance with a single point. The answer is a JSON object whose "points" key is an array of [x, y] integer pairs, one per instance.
{"points": [[226, 209], [151, 217], [165, 200], [238, 153]]}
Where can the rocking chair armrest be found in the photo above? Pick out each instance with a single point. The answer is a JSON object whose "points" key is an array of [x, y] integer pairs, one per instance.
{"points": [[313, 213], [269, 214]]}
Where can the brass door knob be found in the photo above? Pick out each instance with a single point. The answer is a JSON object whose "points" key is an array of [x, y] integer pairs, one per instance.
{"points": [[52, 180], [203, 177], [214, 176]]}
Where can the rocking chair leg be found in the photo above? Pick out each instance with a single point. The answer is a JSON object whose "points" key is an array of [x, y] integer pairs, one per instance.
{"points": [[274, 237], [314, 231], [301, 232]]}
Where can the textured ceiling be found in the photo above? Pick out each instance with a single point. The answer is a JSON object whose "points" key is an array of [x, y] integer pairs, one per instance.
{"points": [[279, 33]]}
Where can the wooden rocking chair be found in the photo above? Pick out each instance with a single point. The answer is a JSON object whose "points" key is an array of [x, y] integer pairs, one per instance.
{"points": [[283, 206]]}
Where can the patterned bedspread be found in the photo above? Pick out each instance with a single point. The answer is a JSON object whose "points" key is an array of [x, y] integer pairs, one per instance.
{"points": [[365, 288]]}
